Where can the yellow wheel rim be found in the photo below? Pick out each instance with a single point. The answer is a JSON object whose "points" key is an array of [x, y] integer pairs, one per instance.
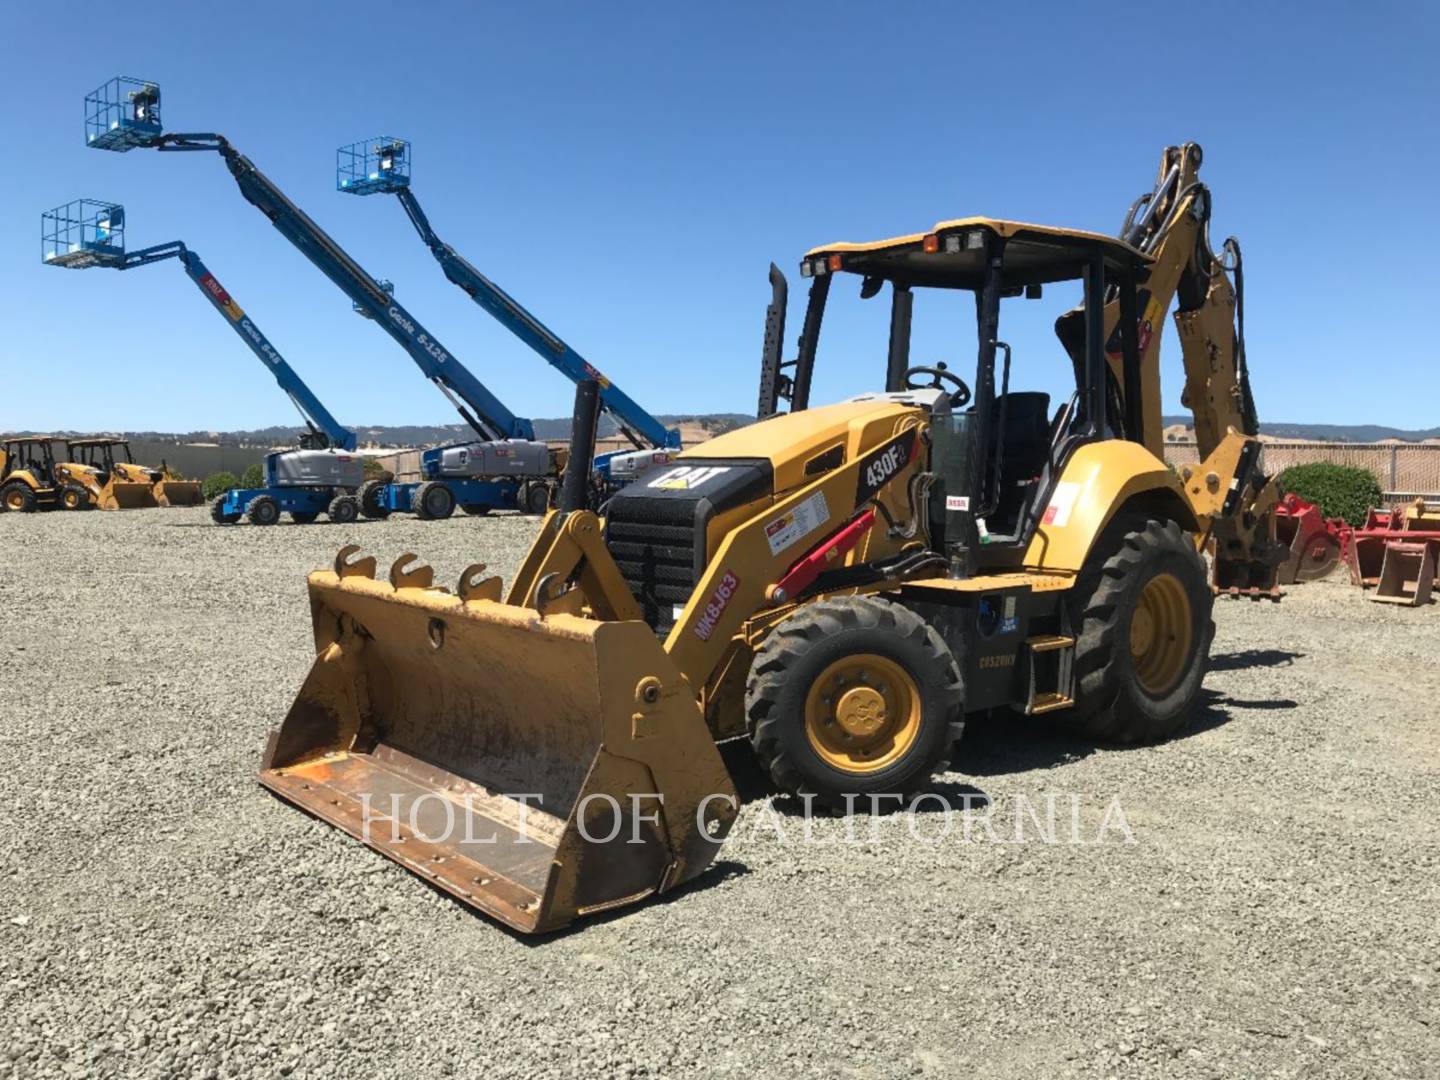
{"points": [[71, 500], [1161, 630], [863, 713], [14, 500]]}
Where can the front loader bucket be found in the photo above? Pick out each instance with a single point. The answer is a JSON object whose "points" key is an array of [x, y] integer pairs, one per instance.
{"points": [[538, 768], [126, 495], [178, 493]]}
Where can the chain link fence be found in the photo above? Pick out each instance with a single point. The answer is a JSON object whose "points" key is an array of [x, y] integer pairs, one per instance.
{"points": [[1404, 470]]}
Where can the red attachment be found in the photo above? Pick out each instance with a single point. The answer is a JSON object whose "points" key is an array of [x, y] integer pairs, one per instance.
{"points": [[1315, 543], [822, 557], [1365, 546]]}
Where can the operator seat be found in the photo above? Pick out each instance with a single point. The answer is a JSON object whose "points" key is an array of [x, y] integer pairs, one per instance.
{"points": [[1024, 453]]}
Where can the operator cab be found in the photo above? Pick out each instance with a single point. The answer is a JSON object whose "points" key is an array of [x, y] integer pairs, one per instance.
{"points": [[98, 454], [29, 453], [996, 451]]}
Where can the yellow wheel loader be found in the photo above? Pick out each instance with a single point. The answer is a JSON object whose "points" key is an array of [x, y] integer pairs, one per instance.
{"points": [[840, 585], [104, 466], [28, 475]]}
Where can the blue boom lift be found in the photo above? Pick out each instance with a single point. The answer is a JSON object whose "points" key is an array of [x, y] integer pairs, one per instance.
{"points": [[323, 474], [506, 468], [383, 166]]}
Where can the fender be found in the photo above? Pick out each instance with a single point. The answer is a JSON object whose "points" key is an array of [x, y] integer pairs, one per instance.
{"points": [[1099, 481]]}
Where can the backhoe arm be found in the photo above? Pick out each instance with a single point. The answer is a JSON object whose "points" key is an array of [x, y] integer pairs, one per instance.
{"points": [[1228, 490]]}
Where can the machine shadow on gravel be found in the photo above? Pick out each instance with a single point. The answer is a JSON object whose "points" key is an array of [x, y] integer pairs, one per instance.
{"points": [[1254, 658]]}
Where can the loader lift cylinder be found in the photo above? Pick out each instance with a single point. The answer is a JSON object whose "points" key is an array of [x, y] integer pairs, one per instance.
{"points": [[575, 488]]}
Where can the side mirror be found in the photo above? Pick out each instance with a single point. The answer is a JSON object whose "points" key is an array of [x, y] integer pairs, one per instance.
{"points": [[1033, 292]]}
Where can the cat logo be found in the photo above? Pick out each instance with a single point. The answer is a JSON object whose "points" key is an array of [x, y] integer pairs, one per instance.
{"points": [[1003, 660], [687, 477]]}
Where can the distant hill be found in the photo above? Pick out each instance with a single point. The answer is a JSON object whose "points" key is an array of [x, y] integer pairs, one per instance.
{"points": [[1355, 433]]}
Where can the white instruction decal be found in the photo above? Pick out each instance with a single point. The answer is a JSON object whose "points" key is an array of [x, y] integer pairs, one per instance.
{"points": [[798, 523], [1061, 504]]}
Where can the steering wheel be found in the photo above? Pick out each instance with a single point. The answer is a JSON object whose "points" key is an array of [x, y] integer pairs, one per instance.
{"points": [[939, 374]]}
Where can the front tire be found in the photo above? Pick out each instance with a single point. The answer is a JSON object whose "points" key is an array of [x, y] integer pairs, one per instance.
{"points": [[1143, 647], [18, 498], [218, 513], [262, 510], [343, 509], [370, 504], [853, 696], [433, 501], [74, 497]]}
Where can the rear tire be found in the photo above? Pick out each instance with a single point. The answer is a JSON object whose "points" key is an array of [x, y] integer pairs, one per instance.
{"points": [[853, 696], [535, 498], [433, 501], [18, 497], [370, 504], [218, 514], [262, 511], [343, 509], [1144, 631]]}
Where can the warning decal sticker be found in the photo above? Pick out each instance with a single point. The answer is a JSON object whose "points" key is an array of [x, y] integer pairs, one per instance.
{"points": [[798, 523]]}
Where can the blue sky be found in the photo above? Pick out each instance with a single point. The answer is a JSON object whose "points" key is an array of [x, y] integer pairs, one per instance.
{"points": [[629, 170]]}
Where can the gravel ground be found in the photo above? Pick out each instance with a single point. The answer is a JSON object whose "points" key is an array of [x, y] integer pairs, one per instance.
{"points": [[161, 915]]}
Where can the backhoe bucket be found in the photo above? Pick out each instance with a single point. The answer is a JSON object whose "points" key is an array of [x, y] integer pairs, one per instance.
{"points": [[1312, 544], [178, 493], [126, 495], [537, 767], [1407, 574]]}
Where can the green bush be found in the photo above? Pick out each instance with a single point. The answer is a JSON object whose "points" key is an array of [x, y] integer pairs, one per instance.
{"points": [[1343, 491], [218, 483], [372, 468], [253, 477]]}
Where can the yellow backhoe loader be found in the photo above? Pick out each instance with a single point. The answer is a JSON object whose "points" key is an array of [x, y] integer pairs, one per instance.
{"points": [[840, 585], [104, 466], [28, 474]]}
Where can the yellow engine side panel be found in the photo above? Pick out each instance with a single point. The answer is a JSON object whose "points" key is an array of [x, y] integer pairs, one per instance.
{"points": [[1098, 480], [790, 440]]}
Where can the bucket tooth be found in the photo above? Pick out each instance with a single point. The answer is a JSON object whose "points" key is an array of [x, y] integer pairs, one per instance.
{"points": [[472, 586], [408, 572], [346, 566]]}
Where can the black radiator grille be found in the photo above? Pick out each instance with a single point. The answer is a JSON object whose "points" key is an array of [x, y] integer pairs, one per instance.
{"points": [[658, 562], [655, 529]]}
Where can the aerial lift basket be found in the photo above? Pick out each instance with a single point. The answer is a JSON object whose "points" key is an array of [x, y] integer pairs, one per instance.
{"points": [[537, 766]]}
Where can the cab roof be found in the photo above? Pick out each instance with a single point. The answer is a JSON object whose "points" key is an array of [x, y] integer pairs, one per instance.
{"points": [[27, 438], [97, 440], [1034, 254]]}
